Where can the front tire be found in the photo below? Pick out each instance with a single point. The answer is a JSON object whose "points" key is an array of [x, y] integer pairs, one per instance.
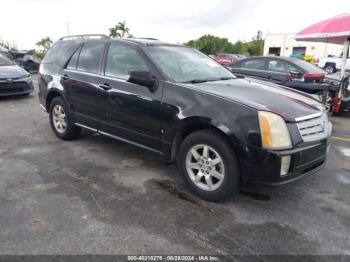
{"points": [[209, 165], [61, 121]]}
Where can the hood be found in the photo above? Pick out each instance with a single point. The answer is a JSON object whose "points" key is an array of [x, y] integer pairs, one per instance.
{"points": [[12, 71], [288, 103]]}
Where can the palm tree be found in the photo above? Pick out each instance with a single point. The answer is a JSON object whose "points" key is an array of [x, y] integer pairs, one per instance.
{"points": [[123, 28], [119, 30], [45, 43], [114, 32]]}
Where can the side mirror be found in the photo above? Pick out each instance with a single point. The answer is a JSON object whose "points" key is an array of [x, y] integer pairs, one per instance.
{"points": [[143, 78], [295, 75]]}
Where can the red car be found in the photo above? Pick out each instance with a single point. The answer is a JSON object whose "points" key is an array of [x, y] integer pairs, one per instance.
{"points": [[226, 59]]}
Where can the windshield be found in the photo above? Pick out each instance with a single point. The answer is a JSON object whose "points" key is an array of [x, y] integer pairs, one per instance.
{"points": [[310, 68], [184, 65], [4, 61]]}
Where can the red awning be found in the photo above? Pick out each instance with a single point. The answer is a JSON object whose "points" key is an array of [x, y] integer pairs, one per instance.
{"points": [[333, 30]]}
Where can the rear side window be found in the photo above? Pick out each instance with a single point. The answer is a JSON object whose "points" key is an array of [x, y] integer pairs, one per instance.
{"points": [[74, 60], [90, 56], [257, 64], [122, 59]]}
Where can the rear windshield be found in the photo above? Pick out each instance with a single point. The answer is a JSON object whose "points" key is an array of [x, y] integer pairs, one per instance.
{"points": [[308, 67], [4, 61]]}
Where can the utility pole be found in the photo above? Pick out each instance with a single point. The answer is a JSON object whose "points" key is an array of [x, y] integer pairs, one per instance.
{"points": [[68, 29]]}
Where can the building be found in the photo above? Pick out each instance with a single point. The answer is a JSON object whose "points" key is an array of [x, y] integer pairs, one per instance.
{"points": [[285, 45]]}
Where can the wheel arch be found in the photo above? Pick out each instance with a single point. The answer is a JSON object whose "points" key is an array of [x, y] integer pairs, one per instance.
{"points": [[51, 95], [331, 64], [192, 124]]}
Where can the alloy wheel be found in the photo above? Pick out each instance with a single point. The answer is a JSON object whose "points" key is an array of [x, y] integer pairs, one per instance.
{"points": [[59, 119], [205, 167], [329, 69]]}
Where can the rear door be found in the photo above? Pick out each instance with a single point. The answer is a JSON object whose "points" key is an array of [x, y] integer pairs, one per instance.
{"points": [[254, 67], [81, 79]]}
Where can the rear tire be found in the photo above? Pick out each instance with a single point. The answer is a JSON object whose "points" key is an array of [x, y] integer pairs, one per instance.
{"points": [[209, 165], [61, 121], [330, 68]]}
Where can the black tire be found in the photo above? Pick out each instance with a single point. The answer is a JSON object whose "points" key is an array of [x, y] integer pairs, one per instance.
{"points": [[330, 68], [231, 180], [71, 131]]}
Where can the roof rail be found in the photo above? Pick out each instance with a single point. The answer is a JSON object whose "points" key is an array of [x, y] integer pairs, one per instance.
{"points": [[147, 38], [88, 36]]}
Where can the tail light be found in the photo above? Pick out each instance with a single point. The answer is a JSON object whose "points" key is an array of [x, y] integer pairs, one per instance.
{"points": [[314, 75], [337, 103]]}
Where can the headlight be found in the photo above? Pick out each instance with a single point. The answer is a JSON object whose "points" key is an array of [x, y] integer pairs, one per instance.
{"points": [[274, 131]]}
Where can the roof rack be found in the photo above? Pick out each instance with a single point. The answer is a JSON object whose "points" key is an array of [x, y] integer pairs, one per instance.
{"points": [[89, 36], [141, 38], [147, 38]]}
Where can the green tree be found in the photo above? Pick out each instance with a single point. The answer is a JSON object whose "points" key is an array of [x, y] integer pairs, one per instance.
{"points": [[114, 32], [120, 30], [44, 44], [210, 44], [256, 45]]}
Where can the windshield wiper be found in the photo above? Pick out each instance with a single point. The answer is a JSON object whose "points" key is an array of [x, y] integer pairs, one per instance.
{"points": [[196, 81], [227, 78]]}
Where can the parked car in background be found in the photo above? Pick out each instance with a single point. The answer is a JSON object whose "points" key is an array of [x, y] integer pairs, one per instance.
{"points": [[27, 60], [6, 53], [227, 59], [177, 102], [14, 80], [332, 64], [241, 56], [293, 73]]}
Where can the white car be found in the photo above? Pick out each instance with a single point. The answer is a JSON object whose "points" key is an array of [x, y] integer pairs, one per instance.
{"points": [[332, 64]]}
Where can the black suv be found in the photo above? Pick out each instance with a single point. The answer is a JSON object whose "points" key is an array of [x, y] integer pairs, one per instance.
{"points": [[177, 102]]}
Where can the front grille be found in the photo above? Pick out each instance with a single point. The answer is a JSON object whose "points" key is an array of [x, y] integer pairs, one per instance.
{"points": [[12, 88], [314, 129]]}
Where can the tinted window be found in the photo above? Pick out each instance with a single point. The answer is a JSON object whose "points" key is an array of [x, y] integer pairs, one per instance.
{"points": [[6, 54], [90, 56], [277, 65], [74, 60], [122, 59], [4, 61], [254, 64]]}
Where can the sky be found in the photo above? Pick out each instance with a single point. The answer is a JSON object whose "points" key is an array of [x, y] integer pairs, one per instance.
{"points": [[25, 22]]}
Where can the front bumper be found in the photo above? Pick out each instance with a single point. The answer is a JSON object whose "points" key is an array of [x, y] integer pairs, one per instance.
{"points": [[16, 88], [264, 166]]}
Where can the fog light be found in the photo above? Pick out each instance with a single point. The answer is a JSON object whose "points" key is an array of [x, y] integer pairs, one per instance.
{"points": [[285, 164]]}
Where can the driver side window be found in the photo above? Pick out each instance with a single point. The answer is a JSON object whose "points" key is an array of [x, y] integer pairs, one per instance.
{"points": [[121, 60], [280, 66]]}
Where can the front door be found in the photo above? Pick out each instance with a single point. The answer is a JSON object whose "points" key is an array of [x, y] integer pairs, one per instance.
{"points": [[279, 70], [131, 112]]}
